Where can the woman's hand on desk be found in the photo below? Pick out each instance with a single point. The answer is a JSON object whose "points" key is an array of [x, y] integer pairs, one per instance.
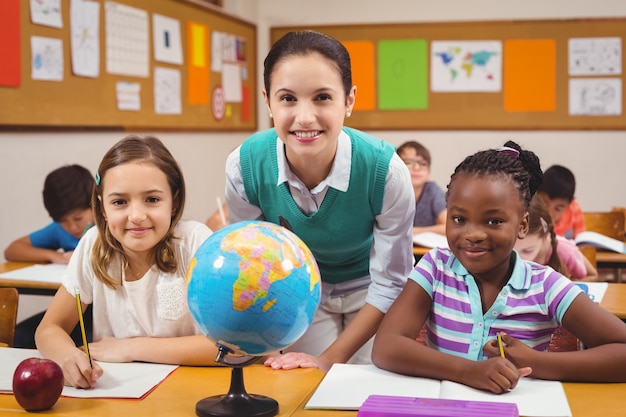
{"points": [[292, 360], [78, 372]]}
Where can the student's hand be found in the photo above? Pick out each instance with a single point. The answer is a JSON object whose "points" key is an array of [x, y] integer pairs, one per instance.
{"points": [[292, 360], [77, 371], [497, 375], [514, 350], [60, 257]]}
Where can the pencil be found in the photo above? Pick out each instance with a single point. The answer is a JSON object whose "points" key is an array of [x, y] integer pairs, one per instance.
{"points": [[500, 345], [221, 210], [81, 321]]}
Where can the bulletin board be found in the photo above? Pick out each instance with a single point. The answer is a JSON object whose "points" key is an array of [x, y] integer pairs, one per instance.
{"points": [[489, 75], [151, 65]]}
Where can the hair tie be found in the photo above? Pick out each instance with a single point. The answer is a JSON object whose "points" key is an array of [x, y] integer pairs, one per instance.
{"points": [[97, 178], [509, 151], [544, 225]]}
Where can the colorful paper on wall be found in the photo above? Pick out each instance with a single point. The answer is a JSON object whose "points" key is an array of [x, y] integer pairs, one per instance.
{"points": [[466, 66], [197, 69], [362, 58], [403, 74], [10, 43], [530, 75]]}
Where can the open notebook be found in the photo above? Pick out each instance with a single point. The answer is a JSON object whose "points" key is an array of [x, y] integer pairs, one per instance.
{"points": [[346, 387], [120, 380]]}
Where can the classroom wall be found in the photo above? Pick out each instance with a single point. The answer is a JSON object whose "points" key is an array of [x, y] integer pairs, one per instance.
{"points": [[597, 158]]}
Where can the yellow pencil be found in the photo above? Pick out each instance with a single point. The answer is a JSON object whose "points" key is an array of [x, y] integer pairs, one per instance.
{"points": [[82, 325], [500, 345]]}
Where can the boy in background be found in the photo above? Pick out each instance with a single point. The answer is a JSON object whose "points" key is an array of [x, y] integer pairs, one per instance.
{"points": [[557, 190], [67, 198]]}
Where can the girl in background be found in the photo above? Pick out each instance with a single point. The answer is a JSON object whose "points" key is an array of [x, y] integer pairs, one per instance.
{"points": [[132, 269], [543, 246]]}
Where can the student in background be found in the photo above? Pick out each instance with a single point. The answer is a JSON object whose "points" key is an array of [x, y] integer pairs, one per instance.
{"points": [[132, 269], [479, 288], [557, 189], [67, 198], [430, 200], [543, 246], [346, 194]]}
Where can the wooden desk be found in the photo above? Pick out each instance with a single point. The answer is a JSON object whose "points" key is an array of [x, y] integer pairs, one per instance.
{"points": [[179, 393], [25, 287], [585, 400], [617, 261]]}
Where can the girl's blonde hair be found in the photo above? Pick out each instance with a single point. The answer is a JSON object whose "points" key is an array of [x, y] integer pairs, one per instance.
{"points": [[106, 249], [540, 223]]}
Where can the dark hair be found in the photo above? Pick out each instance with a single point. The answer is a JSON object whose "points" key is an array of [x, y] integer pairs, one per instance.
{"points": [[150, 150], [540, 223], [66, 189], [558, 182], [419, 149], [521, 166], [306, 42]]}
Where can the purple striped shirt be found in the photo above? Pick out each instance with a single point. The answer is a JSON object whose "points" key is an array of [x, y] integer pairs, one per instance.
{"points": [[529, 307]]}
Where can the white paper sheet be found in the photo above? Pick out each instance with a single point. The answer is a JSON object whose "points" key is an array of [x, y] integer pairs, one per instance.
{"points": [[120, 380], [85, 41], [46, 58], [51, 273], [346, 387]]}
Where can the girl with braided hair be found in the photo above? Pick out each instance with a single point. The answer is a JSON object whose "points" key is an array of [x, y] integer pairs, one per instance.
{"points": [[480, 289], [544, 246]]}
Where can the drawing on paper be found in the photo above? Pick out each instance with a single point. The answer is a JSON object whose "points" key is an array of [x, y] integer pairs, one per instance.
{"points": [[595, 96], [46, 58], [595, 56], [85, 40], [466, 66]]}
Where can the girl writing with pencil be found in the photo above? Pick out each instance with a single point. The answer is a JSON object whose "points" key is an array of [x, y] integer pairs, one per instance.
{"points": [[132, 269], [480, 287]]}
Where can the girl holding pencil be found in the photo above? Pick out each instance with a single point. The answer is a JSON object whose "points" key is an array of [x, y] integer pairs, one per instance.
{"points": [[131, 268]]}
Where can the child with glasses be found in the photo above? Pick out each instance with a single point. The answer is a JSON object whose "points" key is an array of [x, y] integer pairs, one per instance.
{"points": [[430, 200]]}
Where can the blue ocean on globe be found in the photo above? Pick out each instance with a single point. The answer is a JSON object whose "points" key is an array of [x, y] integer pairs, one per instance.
{"points": [[254, 287]]}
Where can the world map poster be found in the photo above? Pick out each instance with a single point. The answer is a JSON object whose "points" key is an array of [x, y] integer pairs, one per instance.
{"points": [[466, 66]]}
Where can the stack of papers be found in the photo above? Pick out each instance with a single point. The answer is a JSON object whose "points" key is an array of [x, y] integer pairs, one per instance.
{"points": [[534, 397], [120, 380]]}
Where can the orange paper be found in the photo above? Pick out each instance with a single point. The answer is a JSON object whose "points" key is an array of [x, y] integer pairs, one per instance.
{"points": [[363, 73], [529, 79], [197, 70], [10, 43]]}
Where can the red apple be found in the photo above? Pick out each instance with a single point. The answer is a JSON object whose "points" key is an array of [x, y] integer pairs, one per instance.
{"points": [[37, 383]]}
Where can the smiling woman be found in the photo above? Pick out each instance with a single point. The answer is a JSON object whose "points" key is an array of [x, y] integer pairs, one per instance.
{"points": [[346, 194]]}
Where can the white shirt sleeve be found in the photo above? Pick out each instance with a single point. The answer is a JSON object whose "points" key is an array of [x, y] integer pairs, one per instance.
{"points": [[239, 208], [391, 257]]}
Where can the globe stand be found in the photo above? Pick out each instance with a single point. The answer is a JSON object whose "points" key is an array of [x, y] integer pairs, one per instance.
{"points": [[237, 403]]}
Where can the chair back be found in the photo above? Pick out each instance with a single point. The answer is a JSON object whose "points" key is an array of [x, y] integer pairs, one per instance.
{"points": [[608, 223], [8, 314], [589, 252]]}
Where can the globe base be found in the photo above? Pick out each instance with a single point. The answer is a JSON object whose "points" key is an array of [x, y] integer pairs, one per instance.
{"points": [[237, 403], [247, 406]]}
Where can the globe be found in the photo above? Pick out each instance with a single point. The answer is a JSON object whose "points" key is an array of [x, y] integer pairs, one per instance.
{"points": [[253, 287]]}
